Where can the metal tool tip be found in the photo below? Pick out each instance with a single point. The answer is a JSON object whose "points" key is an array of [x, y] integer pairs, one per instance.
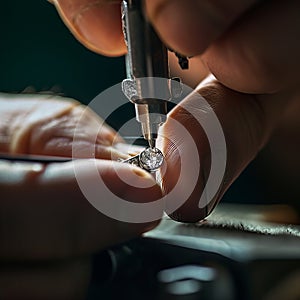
{"points": [[151, 143]]}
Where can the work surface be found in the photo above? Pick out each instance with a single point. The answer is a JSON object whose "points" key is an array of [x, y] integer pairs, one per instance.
{"points": [[251, 257], [236, 221]]}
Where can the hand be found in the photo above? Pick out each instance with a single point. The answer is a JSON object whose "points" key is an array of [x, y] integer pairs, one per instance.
{"points": [[46, 222], [251, 48], [247, 122]]}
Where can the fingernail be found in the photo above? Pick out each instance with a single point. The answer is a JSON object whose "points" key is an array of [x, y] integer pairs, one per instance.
{"points": [[99, 25], [141, 173]]}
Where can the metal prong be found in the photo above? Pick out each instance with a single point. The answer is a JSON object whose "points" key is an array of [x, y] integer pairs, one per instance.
{"points": [[135, 160]]}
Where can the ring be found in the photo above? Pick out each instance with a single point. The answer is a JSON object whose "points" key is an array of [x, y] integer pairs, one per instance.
{"points": [[150, 159]]}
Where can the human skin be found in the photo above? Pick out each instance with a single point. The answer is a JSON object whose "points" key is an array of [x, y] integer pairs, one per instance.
{"points": [[251, 49], [49, 230], [255, 85], [250, 46]]}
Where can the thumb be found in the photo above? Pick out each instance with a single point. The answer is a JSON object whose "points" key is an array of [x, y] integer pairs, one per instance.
{"points": [[246, 123]]}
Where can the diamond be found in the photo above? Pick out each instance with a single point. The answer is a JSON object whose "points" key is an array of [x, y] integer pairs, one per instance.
{"points": [[151, 159]]}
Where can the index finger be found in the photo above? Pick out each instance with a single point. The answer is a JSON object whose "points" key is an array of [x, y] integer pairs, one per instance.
{"points": [[44, 214], [189, 27]]}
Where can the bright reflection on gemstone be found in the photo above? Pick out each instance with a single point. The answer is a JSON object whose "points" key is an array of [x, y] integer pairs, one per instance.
{"points": [[151, 159]]}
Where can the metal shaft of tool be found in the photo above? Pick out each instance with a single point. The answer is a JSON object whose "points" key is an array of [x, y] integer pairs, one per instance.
{"points": [[146, 60]]}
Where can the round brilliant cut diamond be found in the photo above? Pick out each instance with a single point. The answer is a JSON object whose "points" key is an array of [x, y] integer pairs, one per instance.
{"points": [[151, 159]]}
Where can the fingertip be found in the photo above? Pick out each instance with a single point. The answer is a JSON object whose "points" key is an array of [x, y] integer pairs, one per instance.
{"points": [[189, 216], [57, 189], [97, 25], [103, 182], [137, 197], [172, 20], [185, 28], [131, 183]]}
